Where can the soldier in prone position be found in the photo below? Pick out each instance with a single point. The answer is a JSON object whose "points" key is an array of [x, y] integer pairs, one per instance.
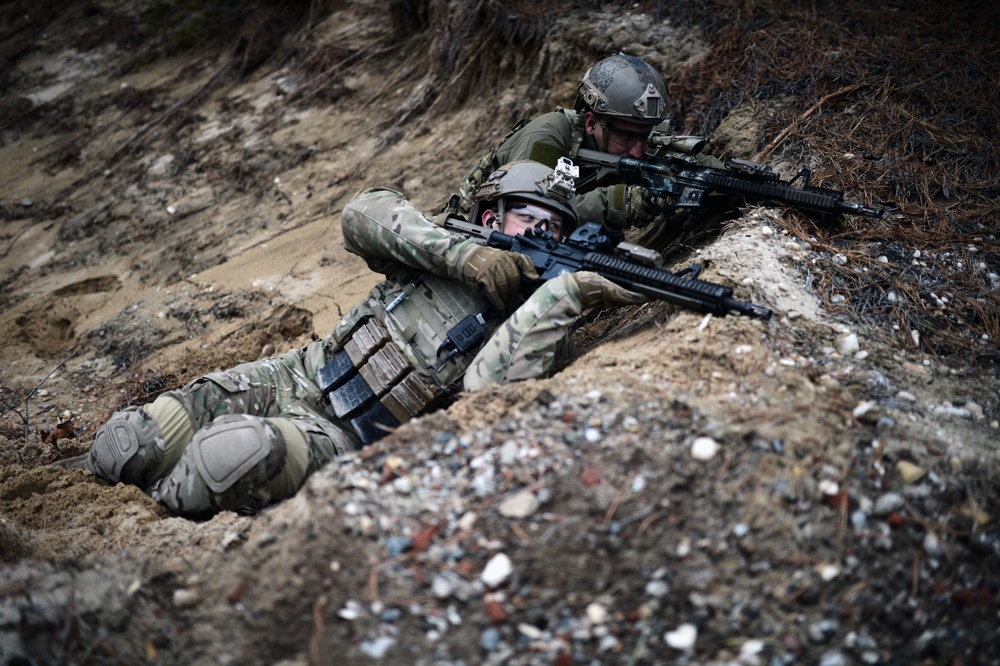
{"points": [[449, 316]]}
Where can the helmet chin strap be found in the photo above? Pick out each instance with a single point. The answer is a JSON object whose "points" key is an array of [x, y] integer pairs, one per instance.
{"points": [[604, 135], [501, 211], [598, 120], [497, 222]]}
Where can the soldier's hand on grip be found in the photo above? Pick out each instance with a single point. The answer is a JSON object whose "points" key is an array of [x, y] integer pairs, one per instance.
{"points": [[600, 292], [499, 273], [643, 206]]}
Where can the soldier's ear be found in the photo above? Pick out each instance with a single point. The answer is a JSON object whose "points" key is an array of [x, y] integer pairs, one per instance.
{"points": [[489, 219], [590, 122]]}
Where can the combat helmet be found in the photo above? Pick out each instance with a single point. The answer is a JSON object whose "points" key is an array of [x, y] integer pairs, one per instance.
{"points": [[623, 86], [534, 182]]}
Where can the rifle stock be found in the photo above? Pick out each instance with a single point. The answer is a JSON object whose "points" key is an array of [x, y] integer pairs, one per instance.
{"points": [[590, 248], [680, 180]]}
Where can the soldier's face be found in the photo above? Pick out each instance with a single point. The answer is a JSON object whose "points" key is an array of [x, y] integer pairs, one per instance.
{"points": [[523, 216], [618, 137]]}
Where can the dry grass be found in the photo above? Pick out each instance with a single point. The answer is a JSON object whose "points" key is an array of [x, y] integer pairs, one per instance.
{"points": [[921, 132]]}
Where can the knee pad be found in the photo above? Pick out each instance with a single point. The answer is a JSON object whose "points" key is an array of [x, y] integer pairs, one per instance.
{"points": [[127, 448], [232, 448]]}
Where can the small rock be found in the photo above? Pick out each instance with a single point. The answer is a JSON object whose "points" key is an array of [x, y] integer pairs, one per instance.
{"points": [[608, 643], [597, 613], [704, 448], [822, 631], [682, 638], [378, 647], [496, 612], [909, 472], [829, 487], [865, 411], [229, 538], [833, 659], [657, 588], [975, 410], [827, 571], [529, 631], [402, 485], [932, 545], [591, 476], [443, 586], [520, 505], [186, 598], [497, 570], [750, 651], [397, 545], [489, 639], [352, 610], [888, 503]]}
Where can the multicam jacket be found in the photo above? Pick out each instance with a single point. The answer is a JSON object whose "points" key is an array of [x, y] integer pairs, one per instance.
{"points": [[424, 296]]}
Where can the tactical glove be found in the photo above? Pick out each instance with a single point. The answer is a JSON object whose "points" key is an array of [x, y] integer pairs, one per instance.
{"points": [[643, 206], [600, 292], [499, 273]]}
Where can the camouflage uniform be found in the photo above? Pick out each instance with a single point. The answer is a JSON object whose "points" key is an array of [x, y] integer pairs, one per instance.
{"points": [[545, 139], [255, 432]]}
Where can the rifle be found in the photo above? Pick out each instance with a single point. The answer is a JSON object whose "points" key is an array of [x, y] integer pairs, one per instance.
{"points": [[678, 178], [591, 248]]}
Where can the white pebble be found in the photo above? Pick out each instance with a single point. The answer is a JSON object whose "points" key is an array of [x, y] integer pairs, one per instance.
{"points": [[657, 588], [185, 598], [597, 613], [863, 408], [827, 571], [376, 648], [403, 485], [529, 631], [520, 505], [352, 610], [975, 410], [932, 546], [682, 638], [750, 651], [467, 520], [704, 448], [497, 570], [848, 345]]}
